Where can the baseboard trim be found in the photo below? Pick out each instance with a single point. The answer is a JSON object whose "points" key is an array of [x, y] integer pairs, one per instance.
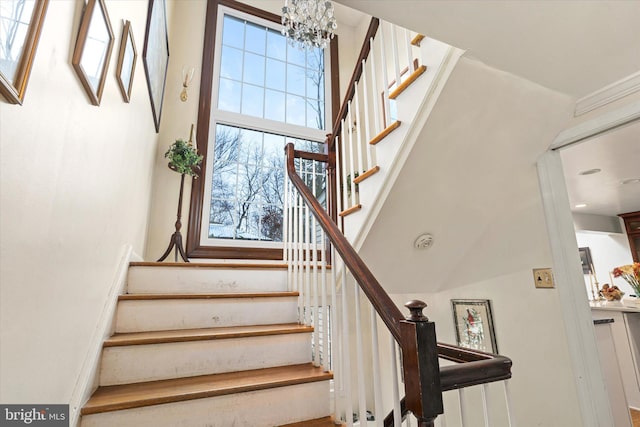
{"points": [[608, 94], [87, 380]]}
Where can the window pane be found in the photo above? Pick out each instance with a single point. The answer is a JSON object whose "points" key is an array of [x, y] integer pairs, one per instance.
{"points": [[315, 85], [296, 56], [254, 69], [233, 32], [274, 105], [224, 182], [231, 63], [229, 95], [295, 79], [295, 110], [222, 219], [275, 75], [271, 223], [276, 45], [256, 38], [252, 100], [315, 114]]}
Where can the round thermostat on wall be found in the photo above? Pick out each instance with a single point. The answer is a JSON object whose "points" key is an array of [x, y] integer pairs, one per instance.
{"points": [[423, 241]]}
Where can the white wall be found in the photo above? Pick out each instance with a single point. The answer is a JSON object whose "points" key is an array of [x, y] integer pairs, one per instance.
{"points": [[75, 184], [607, 251]]}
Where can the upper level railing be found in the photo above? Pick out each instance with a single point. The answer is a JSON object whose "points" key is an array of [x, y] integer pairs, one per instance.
{"points": [[326, 299]]}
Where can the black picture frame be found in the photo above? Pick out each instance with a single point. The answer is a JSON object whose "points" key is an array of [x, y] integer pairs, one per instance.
{"points": [[155, 56], [473, 321], [586, 260]]}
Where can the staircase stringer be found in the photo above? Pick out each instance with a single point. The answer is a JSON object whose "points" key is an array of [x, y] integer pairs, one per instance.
{"points": [[393, 152]]}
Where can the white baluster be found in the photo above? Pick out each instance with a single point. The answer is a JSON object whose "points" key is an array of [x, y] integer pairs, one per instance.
{"points": [[336, 346], [301, 287], [385, 79], [314, 239], [463, 406], [375, 351], [442, 420], [407, 37], [397, 414], [485, 405], [507, 398], [326, 356], [396, 60], [296, 252], [362, 405], [345, 167], [352, 159], [361, 166], [367, 133], [346, 355], [307, 259], [374, 89]]}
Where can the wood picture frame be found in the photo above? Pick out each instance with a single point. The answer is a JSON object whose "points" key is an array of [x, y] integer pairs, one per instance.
{"points": [[155, 56], [16, 61], [586, 260], [93, 49], [473, 321], [127, 59]]}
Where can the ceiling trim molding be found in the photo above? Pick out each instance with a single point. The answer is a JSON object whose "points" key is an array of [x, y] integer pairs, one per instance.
{"points": [[608, 94], [604, 123]]}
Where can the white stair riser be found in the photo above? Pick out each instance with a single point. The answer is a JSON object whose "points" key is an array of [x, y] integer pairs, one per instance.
{"points": [[276, 406], [146, 280], [152, 362], [160, 315]]}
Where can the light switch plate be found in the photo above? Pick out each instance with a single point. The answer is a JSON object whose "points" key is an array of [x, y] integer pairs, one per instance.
{"points": [[543, 278]]}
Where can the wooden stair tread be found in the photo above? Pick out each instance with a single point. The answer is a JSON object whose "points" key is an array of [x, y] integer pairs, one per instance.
{"points": [[276, 266], [114, 398], [405, 84], [351, 210], [183, 335], [367, 174], [382, 135], [129, 297], [318, 422], [417, 39]]}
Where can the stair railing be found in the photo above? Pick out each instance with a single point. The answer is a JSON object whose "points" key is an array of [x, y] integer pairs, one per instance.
{"points": [[327, 292], [388, 58]]}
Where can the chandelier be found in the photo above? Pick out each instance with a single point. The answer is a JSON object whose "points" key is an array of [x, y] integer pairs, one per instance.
{"points": [[308, 23]]}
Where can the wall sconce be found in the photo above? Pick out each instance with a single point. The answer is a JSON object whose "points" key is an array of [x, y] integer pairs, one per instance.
{"points": [[187, 76]]}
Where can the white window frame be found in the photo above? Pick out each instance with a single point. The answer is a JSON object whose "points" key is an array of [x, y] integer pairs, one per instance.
{"points": [[229, 118]]}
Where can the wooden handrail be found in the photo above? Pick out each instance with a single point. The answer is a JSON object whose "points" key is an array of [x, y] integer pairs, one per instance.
{"points": [[384, 306], [355, 77]]}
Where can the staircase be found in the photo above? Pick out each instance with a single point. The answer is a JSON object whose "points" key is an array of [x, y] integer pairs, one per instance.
{"points": [[208, 345]]}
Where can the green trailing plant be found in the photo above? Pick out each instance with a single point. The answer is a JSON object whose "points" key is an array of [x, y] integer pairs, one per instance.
{"points": [[184, 158]]}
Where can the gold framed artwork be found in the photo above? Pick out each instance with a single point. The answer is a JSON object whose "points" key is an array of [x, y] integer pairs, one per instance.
{"points": [[93, 49], [126, 62], [20, 27]]}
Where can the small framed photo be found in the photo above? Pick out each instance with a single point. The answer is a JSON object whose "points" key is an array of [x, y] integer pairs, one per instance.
{"points": [[93, 49], [126, 62], [585, 259], [474, 324]]}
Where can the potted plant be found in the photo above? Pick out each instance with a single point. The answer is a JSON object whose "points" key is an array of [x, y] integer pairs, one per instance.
{"points": [[184, 158]]}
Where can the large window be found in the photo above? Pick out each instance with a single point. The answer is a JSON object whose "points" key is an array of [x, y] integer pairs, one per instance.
{"points": [[265, 93]]}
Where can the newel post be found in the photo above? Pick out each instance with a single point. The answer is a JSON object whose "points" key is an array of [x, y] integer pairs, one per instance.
{"points": [[421, 367]]}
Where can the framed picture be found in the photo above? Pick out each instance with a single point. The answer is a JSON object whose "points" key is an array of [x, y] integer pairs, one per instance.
{"points": [[126, 62], [474, 324], [585, 259], [155, 55], [20, 27], [93, 49]]}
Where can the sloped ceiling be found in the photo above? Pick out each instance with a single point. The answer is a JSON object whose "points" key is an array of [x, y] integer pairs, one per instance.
{"points": [[575, 47]]}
